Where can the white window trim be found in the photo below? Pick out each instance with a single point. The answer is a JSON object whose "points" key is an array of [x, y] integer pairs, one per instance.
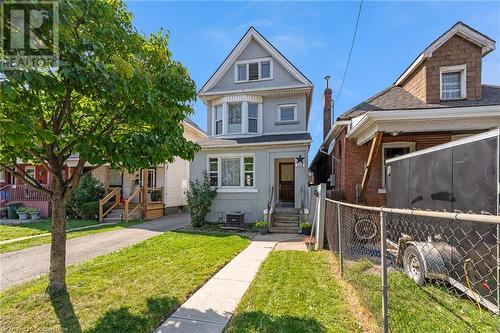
{"points": [[244, 118], [259, 61], [287, 106], [398, 144], [462, 69], [241, 187], [30, 167]]}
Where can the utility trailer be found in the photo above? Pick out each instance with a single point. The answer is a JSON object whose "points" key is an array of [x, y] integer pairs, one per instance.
{"points": [[459, 176]]}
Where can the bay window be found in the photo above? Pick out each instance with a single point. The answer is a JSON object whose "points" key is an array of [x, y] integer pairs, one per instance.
{"points": [[253, 117], [231, 171], [218, 119], [234, 118]]}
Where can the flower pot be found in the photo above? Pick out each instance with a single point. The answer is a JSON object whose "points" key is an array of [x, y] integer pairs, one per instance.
{"points": [[23, 216], [306, 232], [35, 215], [263, 231]]}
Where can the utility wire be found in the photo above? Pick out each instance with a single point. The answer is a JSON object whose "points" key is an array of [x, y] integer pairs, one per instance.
{"points": [[350, 51]]}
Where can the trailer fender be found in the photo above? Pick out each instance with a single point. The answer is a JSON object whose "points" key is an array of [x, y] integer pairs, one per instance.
{"points": [[435, 267]]}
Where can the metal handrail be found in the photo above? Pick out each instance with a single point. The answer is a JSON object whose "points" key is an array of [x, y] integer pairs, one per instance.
{"points": [[116, 194], [269, 203], [481, 218]]}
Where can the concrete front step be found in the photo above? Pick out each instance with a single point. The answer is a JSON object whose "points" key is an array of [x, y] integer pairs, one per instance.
{"points": [[281, 217], [290, 224], [285, 230], [293, 211]]}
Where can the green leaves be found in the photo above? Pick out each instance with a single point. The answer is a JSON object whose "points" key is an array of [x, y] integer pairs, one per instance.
{"points": [[117, 96]]}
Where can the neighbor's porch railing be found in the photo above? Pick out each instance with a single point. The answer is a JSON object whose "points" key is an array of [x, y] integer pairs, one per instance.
{"points": [[115, 194], [129, 212], [13, 193]]}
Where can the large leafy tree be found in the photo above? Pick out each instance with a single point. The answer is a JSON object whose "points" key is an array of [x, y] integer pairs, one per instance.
{"points": [[116, 97]]}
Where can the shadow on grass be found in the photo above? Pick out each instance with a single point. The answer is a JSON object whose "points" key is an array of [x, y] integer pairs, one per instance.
{"points": [[65, 312], [122, 320], [261, 322]]}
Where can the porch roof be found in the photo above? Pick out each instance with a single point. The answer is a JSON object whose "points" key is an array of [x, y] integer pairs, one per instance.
{"points": [[271, 139]]}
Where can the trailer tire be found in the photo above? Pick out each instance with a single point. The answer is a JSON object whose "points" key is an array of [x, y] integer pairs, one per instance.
{"points": [[413, 265]]}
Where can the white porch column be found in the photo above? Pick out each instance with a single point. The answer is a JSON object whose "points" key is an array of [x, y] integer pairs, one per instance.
{"points": [[320, 223], [225, 117], [260, 117], [165, 167], [244, 117]]}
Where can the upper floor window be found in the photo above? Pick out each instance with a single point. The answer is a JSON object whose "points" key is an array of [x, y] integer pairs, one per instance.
{"points": [[253, 117], [253, 70], [287, 112], [453, 82], [30, 171], [218, 119], [234, 118]]}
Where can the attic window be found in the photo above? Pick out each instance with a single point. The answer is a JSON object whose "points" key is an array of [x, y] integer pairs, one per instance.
{"points": [[453, 82], [253, 70]]}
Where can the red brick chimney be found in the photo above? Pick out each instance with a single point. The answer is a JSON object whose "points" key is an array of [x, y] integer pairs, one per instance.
{"points": [[327, 108]]}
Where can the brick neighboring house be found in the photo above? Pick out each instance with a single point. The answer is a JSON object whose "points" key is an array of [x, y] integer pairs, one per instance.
{"points": [[439, 98]]}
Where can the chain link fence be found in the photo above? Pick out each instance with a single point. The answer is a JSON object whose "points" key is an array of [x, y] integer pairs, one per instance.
{"points": [[419, 271]]}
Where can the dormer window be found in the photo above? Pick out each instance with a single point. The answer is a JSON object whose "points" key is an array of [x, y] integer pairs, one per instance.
{"points": [[253, 70], [453, 82]]}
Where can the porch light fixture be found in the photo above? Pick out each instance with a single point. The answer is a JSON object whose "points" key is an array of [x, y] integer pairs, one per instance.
{"points": [[395, 133]]}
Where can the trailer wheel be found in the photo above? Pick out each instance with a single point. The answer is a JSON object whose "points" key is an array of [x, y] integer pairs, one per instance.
{"points": [[413, 265]]}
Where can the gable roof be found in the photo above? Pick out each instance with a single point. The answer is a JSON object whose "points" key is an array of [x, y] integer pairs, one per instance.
{"points": [[397, 98], [461, 29], [253, 34], [189, 121]]}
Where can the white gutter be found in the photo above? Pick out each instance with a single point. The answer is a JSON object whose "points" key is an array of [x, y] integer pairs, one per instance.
{"points": [[335, 130], [423, 114], [236, 145]]}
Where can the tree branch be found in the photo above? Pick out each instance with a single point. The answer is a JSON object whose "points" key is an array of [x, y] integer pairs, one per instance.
{"points": [[30, 181]]}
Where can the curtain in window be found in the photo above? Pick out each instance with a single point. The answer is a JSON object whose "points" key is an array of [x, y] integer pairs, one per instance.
{"points": [[450, 85], [230, 172], [234, 121]]}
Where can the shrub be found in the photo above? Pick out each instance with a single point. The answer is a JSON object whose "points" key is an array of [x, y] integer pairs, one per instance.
{"points": [[261, 224], [306, 226], [155, 195], [200, 197], [90, 189], [23, 210], [90, 210]]}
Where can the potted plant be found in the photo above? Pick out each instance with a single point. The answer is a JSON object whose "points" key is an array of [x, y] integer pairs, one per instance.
{"points": [[306, 228], [310, 243], [262, 227], [34, 213], [155, 195], [23, 213]]}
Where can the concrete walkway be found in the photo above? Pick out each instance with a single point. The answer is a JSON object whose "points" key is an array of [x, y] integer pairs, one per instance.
{"points": [[23, 265], [211, 307]]}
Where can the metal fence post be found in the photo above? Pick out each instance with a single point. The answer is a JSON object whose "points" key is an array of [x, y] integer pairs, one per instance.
{"points": [[341, 256], [383, 259], [320, 233]]}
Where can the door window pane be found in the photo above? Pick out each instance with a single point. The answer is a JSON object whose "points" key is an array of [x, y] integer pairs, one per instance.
{"points": [[230, 172]]}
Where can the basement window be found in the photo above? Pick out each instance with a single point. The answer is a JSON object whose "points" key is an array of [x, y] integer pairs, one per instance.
{"points": [[453, 82]]}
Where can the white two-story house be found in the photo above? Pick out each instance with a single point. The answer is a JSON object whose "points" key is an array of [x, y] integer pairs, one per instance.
{"points": [[258, 106]]}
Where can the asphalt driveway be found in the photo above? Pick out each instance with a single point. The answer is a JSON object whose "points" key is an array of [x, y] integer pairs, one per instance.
{"points": [[23, 265]]}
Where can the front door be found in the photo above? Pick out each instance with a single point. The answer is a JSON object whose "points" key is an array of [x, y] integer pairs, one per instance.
{"points": [[286, 182]]}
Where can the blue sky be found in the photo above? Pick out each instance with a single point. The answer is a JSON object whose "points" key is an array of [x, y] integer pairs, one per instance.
{"points": [[315, 37]]}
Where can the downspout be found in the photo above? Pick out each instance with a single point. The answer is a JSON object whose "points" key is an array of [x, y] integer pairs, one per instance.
{"points": [[165, 167]]}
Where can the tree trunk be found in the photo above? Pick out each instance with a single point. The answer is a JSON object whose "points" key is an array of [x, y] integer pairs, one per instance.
{"points": [[57, 273]]}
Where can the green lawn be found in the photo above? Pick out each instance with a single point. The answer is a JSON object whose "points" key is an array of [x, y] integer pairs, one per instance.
{"points": [[127, 291], [430, 308], [36, 228], [294, 292], [27, 243]]}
